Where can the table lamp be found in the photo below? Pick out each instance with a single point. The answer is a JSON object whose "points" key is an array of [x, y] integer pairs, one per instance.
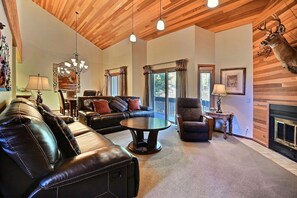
{"points": [[219, 90], [39, 83]]}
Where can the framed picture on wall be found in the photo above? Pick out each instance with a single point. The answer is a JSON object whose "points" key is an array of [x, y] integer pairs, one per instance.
{"points": [[234, 79], [69, 82]]}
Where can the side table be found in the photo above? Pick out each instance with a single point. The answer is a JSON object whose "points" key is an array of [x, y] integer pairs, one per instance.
{"points": [[226, 116]]}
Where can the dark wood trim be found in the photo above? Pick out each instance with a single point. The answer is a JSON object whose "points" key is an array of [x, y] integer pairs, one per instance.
{"points": [[170, 69], [11, 12]]}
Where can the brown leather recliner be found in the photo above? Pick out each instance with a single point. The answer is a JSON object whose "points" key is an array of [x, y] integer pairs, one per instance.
{"points": [[192, 125], [32, 164]]}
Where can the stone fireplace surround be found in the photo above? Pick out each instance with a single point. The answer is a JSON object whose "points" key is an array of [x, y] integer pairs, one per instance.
{"points": [[283, 129]]}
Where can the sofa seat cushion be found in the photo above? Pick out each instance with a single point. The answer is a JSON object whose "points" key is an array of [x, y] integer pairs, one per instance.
{"points": [[191, 127], [91, 141], [78, 128]]}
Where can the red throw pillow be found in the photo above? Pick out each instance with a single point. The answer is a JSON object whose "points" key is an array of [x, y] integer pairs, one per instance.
{"points": [[101, 106], [133, 104]]}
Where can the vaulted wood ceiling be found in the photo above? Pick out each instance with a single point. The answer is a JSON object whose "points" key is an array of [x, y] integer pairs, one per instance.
{"points": [[106, 22]]}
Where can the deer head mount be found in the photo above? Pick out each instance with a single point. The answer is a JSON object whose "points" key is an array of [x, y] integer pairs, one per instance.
{"points": [[282, 50]]}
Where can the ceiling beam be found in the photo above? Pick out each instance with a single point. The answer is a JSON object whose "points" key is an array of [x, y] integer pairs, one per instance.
{"points": [[11, 12]]}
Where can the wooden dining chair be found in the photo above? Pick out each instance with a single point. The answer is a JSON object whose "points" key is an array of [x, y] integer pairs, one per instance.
{"points": [[63, 104], [90, 93]]}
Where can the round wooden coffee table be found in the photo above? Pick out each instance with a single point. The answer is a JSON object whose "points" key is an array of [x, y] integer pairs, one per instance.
{"points": [[138, 126]]}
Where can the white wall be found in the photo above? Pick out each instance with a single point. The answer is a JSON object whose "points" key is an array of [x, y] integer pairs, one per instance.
{"points": [[46, 40], [118, 55], [174, 46], [139, 59], [234, 48], [6, 96]]}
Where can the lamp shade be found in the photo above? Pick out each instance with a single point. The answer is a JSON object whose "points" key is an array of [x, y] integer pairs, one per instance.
{"points": [[38, 83], [212, 3], [219, 90]]}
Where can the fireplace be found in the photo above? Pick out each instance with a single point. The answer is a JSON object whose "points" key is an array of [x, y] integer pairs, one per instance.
{"points": [[283, 130]]}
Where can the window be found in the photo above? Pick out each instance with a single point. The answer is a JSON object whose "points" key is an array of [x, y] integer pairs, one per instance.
{"points": [[115, 85], [205, 86]]}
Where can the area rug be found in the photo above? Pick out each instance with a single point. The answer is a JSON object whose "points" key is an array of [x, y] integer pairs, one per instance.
{"points": [[219, 168]]}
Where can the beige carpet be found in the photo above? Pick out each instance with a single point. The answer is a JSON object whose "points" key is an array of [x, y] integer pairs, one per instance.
{"points": [[220, 168]]}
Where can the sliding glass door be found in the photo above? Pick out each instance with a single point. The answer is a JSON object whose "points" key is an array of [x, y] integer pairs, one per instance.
{"points": [[163, 90]]}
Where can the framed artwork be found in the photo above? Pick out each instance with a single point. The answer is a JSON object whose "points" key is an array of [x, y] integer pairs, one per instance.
{"points": [[234, 80], [5, 74], [65, 83]]}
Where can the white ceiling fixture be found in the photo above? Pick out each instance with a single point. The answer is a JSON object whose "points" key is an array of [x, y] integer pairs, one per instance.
{"points": [[133, 36], [160, 23], [212, 3]]}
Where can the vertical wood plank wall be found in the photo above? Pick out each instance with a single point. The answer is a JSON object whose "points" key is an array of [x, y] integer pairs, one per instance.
{"points": [[272, 83]]}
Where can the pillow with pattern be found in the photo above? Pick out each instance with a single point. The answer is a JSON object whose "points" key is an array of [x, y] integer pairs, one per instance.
{"points": [[66, 141], [88, 104], [118, 105]]}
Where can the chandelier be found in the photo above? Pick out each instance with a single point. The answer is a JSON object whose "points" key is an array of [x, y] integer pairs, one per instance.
{"points": [[79, 66]]}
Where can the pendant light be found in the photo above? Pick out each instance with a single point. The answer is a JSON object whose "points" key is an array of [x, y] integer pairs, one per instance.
{"points": [[160, 23], [133, 36], [212, 3], [77, 65]]}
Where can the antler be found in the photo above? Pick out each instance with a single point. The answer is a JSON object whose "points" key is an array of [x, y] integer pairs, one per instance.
{"points": [[1, 26], [265, 28], [280, 27]]}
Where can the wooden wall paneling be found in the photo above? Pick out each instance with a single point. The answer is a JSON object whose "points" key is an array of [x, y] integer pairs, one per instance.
{"points": [[11, 12], [272, 83]]}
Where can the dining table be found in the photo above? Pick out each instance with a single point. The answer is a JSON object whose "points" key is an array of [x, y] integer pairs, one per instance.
{"points": [[72, 105]]}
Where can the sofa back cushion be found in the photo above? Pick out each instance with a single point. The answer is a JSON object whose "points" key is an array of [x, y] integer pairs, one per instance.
{"points": [[66, 142], [28, 140], [118, 105], [189, 109], [101, 106]]}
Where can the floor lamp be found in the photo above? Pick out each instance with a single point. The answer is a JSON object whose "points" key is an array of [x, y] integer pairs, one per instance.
{"points": [[219, 90], [39, 83]]}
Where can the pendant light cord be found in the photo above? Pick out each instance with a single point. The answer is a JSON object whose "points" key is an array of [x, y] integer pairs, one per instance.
{"points": [[132, 16], [76, 33], [160, 8]]}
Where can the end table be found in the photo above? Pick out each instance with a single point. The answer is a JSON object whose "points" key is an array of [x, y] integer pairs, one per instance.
{"points": [[226, 116]]}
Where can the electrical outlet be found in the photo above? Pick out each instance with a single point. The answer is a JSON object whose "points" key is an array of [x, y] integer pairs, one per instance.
{"points": [[246, 130]]}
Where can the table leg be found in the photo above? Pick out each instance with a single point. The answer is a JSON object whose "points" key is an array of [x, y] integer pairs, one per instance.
{"points": [[225, 128], [135, 137], [152, 139], [230, 123]]}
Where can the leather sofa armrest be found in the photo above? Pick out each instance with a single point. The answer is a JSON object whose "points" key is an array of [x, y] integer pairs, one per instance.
{"points": [[146, 108], [209, 120], [179, 121], [67, 119], [88, 165], [87, 113]]}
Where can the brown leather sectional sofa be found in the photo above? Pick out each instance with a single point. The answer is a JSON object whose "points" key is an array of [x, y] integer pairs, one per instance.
{"points": [[32, 165], [106, 123]]}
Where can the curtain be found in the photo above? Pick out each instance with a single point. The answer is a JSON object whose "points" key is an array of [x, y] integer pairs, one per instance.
{"points": [[107, 82], [147, 74], [181, 78], [123, 81]]}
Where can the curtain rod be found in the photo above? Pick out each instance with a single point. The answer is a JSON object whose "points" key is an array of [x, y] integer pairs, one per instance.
{"points": [[168, 62]]}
